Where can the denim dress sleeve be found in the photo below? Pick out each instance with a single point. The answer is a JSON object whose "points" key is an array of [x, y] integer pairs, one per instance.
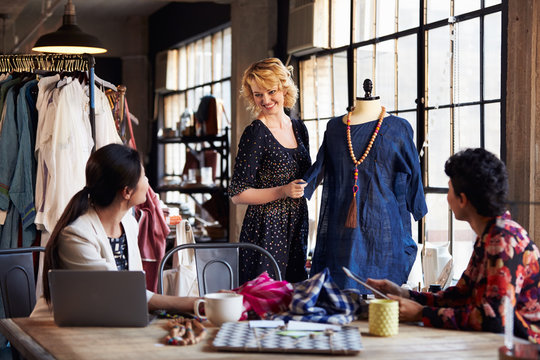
{"points": [[315, 173]]}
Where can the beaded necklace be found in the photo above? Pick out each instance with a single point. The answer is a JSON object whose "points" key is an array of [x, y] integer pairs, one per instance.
{"points": [[351, 218]]}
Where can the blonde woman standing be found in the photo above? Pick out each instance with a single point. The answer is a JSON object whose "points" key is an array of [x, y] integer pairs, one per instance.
{"points": [[273, 155]]}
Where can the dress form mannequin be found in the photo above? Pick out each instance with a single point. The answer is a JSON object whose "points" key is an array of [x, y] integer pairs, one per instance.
{"points": [[367, 108]]}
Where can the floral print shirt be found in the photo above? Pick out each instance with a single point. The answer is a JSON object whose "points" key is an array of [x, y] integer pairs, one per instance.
{"points": [[504, 262]]}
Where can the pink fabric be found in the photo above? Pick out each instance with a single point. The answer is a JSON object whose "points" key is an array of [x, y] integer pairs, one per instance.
{"points": [[153, 231], [265, 295]]}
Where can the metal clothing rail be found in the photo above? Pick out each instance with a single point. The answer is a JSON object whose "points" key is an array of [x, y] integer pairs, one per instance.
{"points": [[55, 63]]}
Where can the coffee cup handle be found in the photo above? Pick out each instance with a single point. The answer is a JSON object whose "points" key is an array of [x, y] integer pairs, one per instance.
{"points": [[196, 308]]}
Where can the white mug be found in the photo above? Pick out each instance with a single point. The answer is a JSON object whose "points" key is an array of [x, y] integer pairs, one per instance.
{"points": [[220, 307]]}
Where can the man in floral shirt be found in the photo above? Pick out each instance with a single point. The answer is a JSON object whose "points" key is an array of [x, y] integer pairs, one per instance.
{"points": [[504, 260]]}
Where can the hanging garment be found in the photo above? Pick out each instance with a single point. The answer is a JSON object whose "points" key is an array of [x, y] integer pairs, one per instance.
{"points": [[106, 132], [9, 148], [2, 98], [153, 231], [46, 104], [21, 191], [390, 190], [71, 145]]}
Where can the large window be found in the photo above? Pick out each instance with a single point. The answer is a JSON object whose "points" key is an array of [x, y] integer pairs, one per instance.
{"points": [[199, 67], [436, 63]]}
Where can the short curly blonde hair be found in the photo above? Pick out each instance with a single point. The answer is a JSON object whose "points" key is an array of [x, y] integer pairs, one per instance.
{"points": [[268, 73]]}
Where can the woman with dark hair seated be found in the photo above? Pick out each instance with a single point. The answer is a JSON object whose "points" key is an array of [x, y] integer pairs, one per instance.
{"points": [[504, 262], [97, 230]]}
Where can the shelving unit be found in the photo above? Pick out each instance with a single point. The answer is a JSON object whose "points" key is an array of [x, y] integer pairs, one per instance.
{"points": [[219, 143], [197, 192]]}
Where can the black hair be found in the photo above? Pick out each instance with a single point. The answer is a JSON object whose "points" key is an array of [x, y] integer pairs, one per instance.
{"points": [[482, 177], [109, 170]]}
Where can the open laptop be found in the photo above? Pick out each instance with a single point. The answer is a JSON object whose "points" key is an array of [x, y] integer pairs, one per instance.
{"points": [[99, 298]]}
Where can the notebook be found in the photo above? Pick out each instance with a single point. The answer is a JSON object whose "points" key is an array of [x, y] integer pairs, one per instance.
{"points": [[99, 298]]}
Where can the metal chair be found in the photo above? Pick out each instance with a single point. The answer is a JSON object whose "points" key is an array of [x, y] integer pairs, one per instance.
{"points": [[18, 287], [17, 280], [217, 265]]}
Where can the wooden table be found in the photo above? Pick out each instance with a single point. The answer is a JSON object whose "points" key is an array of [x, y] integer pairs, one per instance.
{"points": [[40, 338]]}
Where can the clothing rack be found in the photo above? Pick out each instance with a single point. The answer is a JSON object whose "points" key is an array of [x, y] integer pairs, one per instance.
{"points": [[55, 63]]}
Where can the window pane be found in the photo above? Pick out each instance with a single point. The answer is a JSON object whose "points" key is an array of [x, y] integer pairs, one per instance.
{"points": [[191, 101], [364, 67], [171, 81], [386, 17], [364, 20], [467, 123], [226, 96], [207, 57], [439, 63], [227, 52], [384, 82], [410, 116], [468, 67], [491, 2], [407, 72], [191, 65], [206, 90], [465, 6], [437, 10], [198, 95], [408, 15], [341, 23], [341, 97], [438, 150], [492, 56], [182, 68], [464, 238], [216, 90], [307, 83], [199, 62], [492, 123], [324, 87], [437, 218], [217, 55]]}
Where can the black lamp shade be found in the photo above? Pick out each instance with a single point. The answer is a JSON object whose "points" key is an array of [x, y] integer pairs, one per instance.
{"points": [[69, 38]]}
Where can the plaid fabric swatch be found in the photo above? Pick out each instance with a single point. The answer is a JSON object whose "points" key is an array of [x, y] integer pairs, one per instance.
{"points": [[319, 299]]}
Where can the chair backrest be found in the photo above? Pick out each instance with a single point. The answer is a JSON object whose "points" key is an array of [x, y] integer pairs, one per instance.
{"points": [[217, 265], [17, 281]]}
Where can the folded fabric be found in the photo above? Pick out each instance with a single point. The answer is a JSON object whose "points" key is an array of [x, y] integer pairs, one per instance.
{"points": [[319, 299], [264, 296]]}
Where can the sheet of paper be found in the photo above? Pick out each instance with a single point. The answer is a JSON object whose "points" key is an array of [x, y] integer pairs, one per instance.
{"points": [[310, 326], [265, 323]]}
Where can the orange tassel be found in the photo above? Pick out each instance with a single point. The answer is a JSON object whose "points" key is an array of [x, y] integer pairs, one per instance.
{"points": [[352, 215]]}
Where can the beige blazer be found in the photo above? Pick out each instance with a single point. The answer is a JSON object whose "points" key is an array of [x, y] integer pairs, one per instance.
{"points": [[84, 245]]}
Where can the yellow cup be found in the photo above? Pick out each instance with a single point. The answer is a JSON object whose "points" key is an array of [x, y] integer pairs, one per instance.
{"points": [[383, 317]]}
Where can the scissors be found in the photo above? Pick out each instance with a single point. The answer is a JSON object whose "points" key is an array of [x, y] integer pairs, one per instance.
{"points": [[358, 280]]}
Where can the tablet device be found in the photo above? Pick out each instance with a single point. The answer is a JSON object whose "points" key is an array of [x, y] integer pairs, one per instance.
{"points": [[360, 281]]}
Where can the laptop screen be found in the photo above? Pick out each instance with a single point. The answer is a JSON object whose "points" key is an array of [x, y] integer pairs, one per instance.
{"points": [[98, 298]]}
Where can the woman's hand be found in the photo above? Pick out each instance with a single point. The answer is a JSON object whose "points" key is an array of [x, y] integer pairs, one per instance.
{"points": [[294, 189], [409, 310], [388, 287]]}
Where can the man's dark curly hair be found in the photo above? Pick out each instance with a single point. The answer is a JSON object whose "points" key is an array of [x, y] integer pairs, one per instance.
{"points": [[482, 177]]}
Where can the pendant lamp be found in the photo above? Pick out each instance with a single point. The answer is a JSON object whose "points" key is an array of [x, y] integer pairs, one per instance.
{"points": [[69, 38]]}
